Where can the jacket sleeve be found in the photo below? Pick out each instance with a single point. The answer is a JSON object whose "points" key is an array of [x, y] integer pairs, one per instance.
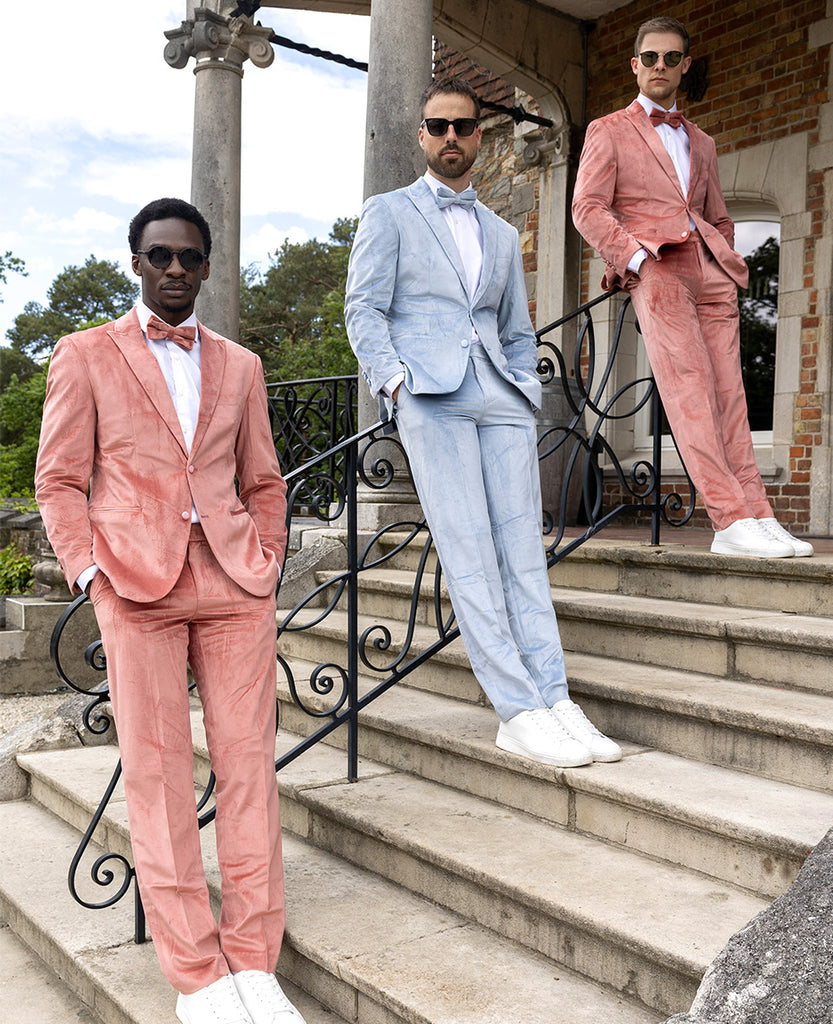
{"points": [[515, 330], [371, 280], [262, 487], [65, 460], [714, 210], [594, 196]]}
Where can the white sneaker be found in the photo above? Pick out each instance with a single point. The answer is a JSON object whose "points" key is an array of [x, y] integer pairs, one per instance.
{"points": [[579, 726], [750, 537], [263, 997], [217, 1003], [539, 736], [801, 548]]}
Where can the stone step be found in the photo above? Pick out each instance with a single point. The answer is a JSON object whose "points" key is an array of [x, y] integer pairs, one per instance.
{"points": [[784, 735], [679, 572], [674, 571], [779, 734], [781, 649], [733, 826], [30, 992], [624, 920], [447, 672], [369, 949], [474, 857]]}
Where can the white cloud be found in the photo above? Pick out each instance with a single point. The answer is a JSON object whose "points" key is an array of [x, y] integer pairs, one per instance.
{"points": [[264, 242], [95, 124]]}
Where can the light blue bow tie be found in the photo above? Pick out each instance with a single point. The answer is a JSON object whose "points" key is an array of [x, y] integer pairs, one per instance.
{"points": [[445, 197]]}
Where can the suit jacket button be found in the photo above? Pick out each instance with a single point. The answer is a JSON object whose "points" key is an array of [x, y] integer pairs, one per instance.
{"points": [[186, 515], [684, 234], [464, 342], [190, 469]]}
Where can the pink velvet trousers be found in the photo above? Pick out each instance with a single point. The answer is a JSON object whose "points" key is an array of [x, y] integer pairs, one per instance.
{"points": [[688, 313], [229, 639]]}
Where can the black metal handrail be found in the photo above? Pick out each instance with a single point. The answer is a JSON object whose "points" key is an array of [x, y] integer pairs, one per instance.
{"points": [[327, 487]]}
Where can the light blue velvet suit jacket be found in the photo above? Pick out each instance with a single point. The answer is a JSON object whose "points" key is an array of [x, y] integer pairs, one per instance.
{"points": [[407, 307]]}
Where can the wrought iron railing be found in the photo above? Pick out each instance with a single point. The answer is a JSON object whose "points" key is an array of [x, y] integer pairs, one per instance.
{"points": [[310, 417], [382, 652]]}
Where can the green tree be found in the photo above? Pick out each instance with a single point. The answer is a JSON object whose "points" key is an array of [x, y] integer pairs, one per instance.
{"points": [[21, 406], [293, 314], [78, 297], [10, 264]]}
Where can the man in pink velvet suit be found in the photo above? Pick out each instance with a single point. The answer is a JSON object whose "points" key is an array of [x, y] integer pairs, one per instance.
{"points": [[147, 422], [648, 199]]}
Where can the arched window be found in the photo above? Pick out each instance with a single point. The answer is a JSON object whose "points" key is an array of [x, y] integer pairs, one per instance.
{"points": [[757, 239]]}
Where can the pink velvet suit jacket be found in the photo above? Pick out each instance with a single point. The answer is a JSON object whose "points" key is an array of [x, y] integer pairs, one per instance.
{"points": [[628, 196], [114, 481]]}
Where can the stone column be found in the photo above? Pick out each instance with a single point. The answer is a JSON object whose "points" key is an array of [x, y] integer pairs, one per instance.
{"points": [[400, 64], [219, 44]]}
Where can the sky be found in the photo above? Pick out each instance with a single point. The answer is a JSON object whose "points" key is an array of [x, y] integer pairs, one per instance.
{"points": [[95, 124]]}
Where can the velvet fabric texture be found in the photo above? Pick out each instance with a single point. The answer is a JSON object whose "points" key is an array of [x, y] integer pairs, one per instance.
{"points": [[109, 426], [627, 197], [465, 416], [169, 593]]}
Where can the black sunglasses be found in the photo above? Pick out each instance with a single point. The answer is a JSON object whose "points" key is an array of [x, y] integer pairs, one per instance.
{"points": [[161, 257], [672, 57], [463, 126]]}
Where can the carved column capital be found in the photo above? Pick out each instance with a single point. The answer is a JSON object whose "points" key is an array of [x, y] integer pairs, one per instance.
{"points": [[215, 40]]}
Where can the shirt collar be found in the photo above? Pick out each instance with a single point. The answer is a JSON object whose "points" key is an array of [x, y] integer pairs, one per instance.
{"points": [[145, 313], [648, 104]]}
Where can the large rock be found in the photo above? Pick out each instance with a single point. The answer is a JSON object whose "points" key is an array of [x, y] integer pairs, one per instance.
{"points": [[779, 968], [57, 730]]}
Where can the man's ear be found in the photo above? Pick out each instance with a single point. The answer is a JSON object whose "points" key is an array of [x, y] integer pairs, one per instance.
{"points": [[134, 263], [206, 269]]}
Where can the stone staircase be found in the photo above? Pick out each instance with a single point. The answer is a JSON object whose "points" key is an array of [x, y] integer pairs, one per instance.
{"points": [[457, 884]]}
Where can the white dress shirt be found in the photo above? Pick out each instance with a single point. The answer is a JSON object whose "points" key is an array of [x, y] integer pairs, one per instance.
{"points": [[678, 147]]}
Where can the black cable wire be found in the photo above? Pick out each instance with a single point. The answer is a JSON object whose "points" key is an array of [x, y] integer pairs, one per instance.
{"points": [[250, 8]]}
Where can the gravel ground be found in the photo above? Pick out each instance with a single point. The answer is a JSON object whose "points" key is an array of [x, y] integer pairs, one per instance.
{"points": [[14, 710]]}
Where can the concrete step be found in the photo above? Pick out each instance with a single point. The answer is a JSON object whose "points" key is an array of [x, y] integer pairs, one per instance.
{"points": [[645, 928], [779, 734], [369, 949], [781, 649], [679, 572], [733, 826], [785, 735], [30, 993], [674, 571], [482, 859], [448, 672]]}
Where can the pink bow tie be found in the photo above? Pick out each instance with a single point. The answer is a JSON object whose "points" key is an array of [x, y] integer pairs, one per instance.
{"points": [[672, 117], [158, 330]]}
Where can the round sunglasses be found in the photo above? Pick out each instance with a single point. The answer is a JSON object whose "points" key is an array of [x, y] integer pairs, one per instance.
{"points": [[671, 57], [161, 257]]}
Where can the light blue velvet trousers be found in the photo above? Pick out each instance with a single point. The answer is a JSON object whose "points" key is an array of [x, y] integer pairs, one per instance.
{"points": [[474, 461]]}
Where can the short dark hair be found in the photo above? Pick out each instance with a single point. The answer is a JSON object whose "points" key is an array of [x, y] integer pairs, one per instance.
{"points": [[162, 209], [662, 25], [449, 86]]}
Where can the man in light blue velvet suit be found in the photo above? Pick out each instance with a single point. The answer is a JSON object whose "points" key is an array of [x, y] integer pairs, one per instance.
{"points": [[437, 314]]}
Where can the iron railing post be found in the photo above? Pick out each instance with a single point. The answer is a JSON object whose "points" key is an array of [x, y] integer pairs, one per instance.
{"points": [[351, 466]]}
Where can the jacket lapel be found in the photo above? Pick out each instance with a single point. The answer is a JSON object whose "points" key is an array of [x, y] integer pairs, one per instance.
{"points": [[127, 334], [212, 368], [423, 199], [488, 225], [642, 123]]}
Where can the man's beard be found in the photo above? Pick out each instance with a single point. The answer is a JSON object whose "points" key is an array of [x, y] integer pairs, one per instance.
{"points": [[451, 169]]}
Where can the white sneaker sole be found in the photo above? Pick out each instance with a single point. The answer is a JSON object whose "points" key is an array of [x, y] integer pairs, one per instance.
{"points": [[515, 747]]}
